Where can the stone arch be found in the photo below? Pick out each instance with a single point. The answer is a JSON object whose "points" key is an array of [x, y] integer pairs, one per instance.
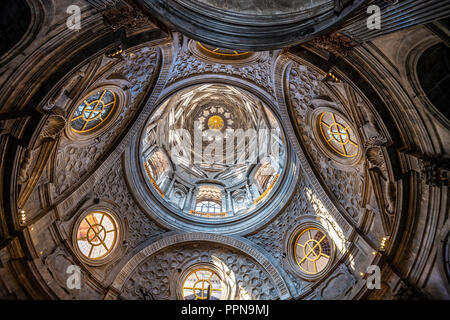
{"points": [[271, 268], [20, 25], [429, 54]]}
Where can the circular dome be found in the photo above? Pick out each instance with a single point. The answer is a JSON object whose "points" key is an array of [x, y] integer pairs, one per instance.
{"points": [[256, 25], [214, 154]]}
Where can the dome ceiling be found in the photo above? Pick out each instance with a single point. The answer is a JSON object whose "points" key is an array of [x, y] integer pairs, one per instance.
{"points": [[262, 7], [251, 25], [160, 166], [213, 143]]}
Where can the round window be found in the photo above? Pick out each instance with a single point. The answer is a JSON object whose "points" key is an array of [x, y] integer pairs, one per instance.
{"points": [[312, 251], [93, 111], [202, 284], [97, 235], [338, 135]]}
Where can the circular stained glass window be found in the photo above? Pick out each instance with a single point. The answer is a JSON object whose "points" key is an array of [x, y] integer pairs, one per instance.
{"points": [[312, 251], [93, 111], [97, 235], [338, 135], [202, 284]]}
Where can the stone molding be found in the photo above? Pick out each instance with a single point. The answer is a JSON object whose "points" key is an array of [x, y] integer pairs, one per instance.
{"points": [[74, 197], [168, 241], [282, 65], [232, 225]]}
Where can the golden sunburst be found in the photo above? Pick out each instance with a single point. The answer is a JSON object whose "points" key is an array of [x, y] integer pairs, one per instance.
{"points": [[216, 122]]}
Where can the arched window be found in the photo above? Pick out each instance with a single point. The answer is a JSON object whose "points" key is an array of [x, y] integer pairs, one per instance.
{"points": [[159, 166], [209, 202], [312, 250], [93, 111], [202, 284], [208, 207], [264, 176], [338, 135], [97, 235], [433, 70]]}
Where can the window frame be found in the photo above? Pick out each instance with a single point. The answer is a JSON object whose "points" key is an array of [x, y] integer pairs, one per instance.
{"points": [[217, 207], [122, 98], [228, 280], [289, 246], [314, 121], [121, 234], [194, 271]]}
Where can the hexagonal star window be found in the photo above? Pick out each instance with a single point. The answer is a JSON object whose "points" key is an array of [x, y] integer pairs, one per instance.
{"points": [[312, 251], [202, 284], [93, 111], [338, 135], [97, 235]]}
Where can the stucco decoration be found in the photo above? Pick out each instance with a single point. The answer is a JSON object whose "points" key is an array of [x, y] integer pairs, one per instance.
{"points": [[35, 160], [337, 286], [346, 182], [262, 265], [272, 237], [134, 75], [57, 264], [158, 275], [187, 64], [113, 187]]}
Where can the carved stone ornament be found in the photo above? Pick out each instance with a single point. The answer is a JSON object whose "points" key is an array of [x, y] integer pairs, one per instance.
{"points": [[436, 171], [335, 43], [127, 15]]}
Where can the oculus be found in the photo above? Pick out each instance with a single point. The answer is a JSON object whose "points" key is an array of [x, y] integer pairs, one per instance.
{"points": [[338, 135], [97, 235], [93, 111], [202, 284], [312, 251], [216, 123]]}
